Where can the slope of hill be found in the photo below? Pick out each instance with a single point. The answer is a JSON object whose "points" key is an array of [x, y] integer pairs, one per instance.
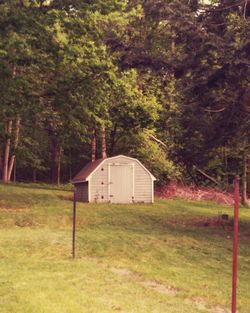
{"points": [[173, 256]]}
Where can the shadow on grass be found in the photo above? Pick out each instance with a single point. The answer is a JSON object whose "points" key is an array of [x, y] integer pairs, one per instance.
{"points": [[62, 187], [205, 228]]}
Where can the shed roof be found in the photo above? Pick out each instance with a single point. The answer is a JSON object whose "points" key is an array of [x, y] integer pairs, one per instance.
{"points": [[86, 171], [89, 168]]}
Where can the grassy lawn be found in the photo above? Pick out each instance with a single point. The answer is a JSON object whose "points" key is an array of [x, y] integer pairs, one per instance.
{"points": [[170, 257]]}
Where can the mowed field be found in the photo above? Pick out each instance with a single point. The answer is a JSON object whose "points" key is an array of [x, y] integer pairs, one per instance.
{"points": [[173, 256]]}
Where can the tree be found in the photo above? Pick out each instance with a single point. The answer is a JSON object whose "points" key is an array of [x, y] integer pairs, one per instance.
{"points": [[17, 65]]}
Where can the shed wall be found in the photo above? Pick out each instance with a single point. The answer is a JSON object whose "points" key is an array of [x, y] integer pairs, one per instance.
{"points": [[143, 183], [99, 184], [82, 192]]}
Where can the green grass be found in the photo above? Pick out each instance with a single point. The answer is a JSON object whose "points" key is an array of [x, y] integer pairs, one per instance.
{"points": [[129, 258]]}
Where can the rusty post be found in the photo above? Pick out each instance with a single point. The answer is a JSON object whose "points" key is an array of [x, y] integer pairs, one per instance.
{"points": [[74, 226], [235, 242]]}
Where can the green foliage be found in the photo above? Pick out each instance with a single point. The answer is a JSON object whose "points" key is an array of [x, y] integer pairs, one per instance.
{"points": [[155, 158], [132, 110], [176, 68]]}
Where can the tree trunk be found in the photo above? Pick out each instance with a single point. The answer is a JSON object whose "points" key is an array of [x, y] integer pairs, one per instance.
{"points": [[34, 170], [7, 152], [14, 178], [10, 168], [104, 147], [173, 44], [244, 179], [93, 146], [16, 140], [1, 163], [55, 152], [112, 140], [226, 168], [56, 161], [59, 166]]}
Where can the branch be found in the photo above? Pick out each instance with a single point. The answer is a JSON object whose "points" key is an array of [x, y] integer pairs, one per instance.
{"points": [[43, 94], [157, 140], [237, 3], [215, 111], [245, 9], [206, 175]]}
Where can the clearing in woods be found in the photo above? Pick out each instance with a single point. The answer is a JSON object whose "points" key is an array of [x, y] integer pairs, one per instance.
{"points": [[173, 256]]}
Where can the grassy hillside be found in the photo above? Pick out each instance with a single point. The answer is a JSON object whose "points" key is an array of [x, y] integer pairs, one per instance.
{"points": [[173, 256]]}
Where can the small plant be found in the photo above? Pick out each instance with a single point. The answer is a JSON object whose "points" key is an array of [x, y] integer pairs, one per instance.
{"points": [[24, 221]]}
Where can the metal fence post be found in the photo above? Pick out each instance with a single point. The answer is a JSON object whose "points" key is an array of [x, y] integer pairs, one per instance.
{"points": [[74, 225], [235, 242]]}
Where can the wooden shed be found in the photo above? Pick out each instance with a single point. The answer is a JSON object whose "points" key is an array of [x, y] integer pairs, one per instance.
{"points": [[118, 179]]}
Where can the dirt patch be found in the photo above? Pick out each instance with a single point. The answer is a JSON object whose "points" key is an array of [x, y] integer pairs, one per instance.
{"points": [[176, 190], [202, 305], [167, 290], [162, 288], [157, 286], [121, 271]]}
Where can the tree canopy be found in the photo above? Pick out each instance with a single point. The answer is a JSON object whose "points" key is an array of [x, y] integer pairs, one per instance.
{"points": [[168, 82]]}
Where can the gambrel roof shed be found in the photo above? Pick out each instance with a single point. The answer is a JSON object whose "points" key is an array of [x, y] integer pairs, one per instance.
{"points": [[118, 179]]}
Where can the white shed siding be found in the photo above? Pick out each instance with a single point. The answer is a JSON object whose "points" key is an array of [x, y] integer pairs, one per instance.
{"points": [[143, 182], [99, 184]]}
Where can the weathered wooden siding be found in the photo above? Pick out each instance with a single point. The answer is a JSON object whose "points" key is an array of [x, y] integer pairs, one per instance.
{"points": [[82, 192], [143, 182]]}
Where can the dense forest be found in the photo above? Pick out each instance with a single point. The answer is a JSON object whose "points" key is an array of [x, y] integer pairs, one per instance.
{"points": [[167, 82]]}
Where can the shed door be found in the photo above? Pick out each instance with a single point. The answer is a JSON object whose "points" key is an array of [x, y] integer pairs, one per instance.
{"points": [[121, 183]]}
